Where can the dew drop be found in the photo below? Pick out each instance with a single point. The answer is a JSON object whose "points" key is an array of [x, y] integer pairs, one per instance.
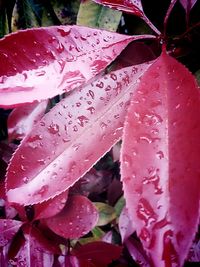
{"points": [[25, 180], [53, 128], [160, 155], [82, 120]]}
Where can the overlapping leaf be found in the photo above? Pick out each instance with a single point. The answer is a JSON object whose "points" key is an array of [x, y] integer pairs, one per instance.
{"points": [[126, 227], [22, 119], [77, 218], [54, 60], [129, 6], [160, 161], [60, 148]]}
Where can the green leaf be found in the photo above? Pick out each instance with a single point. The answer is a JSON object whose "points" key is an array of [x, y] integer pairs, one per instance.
{"points": [[197, 75], [97, 16], [106, 213], [119, 206]]}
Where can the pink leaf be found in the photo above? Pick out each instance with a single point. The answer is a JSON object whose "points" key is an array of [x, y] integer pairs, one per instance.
{"points": [[160, 161], [98, 252], [60, 148], [137, 252], [188, 4], [8, 228], [129, 6], [126, 227], [54, 60], [50, 207], [22, 119], [77, 218]]}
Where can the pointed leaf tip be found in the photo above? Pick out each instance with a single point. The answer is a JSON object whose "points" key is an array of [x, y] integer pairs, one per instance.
{"points": [[160, 160]]}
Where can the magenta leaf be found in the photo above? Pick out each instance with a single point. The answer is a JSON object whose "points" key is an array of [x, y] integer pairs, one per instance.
{"points": [[160, 161], [126, 227], [8, 228], [22, 119], [50, 207], [77, 218], [60, 148], [98, 252], [188, 4], [54, 60]]}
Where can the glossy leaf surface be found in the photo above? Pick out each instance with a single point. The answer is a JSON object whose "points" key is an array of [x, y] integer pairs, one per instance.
{"points": [[61, 145], [22, 119], [99, 253], [50, 207], [77, 218], [8, 228], [128, 6], [54, 60], [160, 161]]}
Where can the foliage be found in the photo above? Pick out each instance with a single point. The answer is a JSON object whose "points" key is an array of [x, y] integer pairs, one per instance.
{"points": [[76, 92]]}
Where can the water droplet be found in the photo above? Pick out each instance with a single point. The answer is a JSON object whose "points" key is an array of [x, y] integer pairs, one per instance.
{"points": [[25, 180], [153, 178], [42, 190], [145, 212], [41, 161], [152, 119], [160, 155], [91, 93], [40, 73], [75, 128], [103, 125], [82, 120], [23, 168], [91, 109], [35, 138], [100, 84], [127, 160], [53, 128], [63, 32]]}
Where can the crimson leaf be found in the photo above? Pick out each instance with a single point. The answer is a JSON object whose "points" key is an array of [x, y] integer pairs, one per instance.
{"points": [[60, 148], [77, 218], [54, 60], [8, 228], [160, 161]]}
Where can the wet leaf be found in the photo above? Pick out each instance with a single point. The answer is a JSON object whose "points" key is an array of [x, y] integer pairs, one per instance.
{"points": [[54, 60], [77, 218], [106, 213], [97, 16], [22, 119], [60, 148], [133, 7], [100, 253], [50, 207], [160, 161], [8, 228], [126, 226]]}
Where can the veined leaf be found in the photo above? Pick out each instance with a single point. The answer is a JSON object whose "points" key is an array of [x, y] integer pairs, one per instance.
{"points": [[97, 16], [106, 213], [22, 119], [160, 161], [60, 148], [77, 218], [54, 60]]}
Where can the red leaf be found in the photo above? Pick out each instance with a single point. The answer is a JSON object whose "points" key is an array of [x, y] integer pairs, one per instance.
{"points": [[50, 207], [8, 228], [60, 148], [126, 227], [54, 60], [160, 161], [99, 252], [129, 6], [22, 119], [77, 218]]}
